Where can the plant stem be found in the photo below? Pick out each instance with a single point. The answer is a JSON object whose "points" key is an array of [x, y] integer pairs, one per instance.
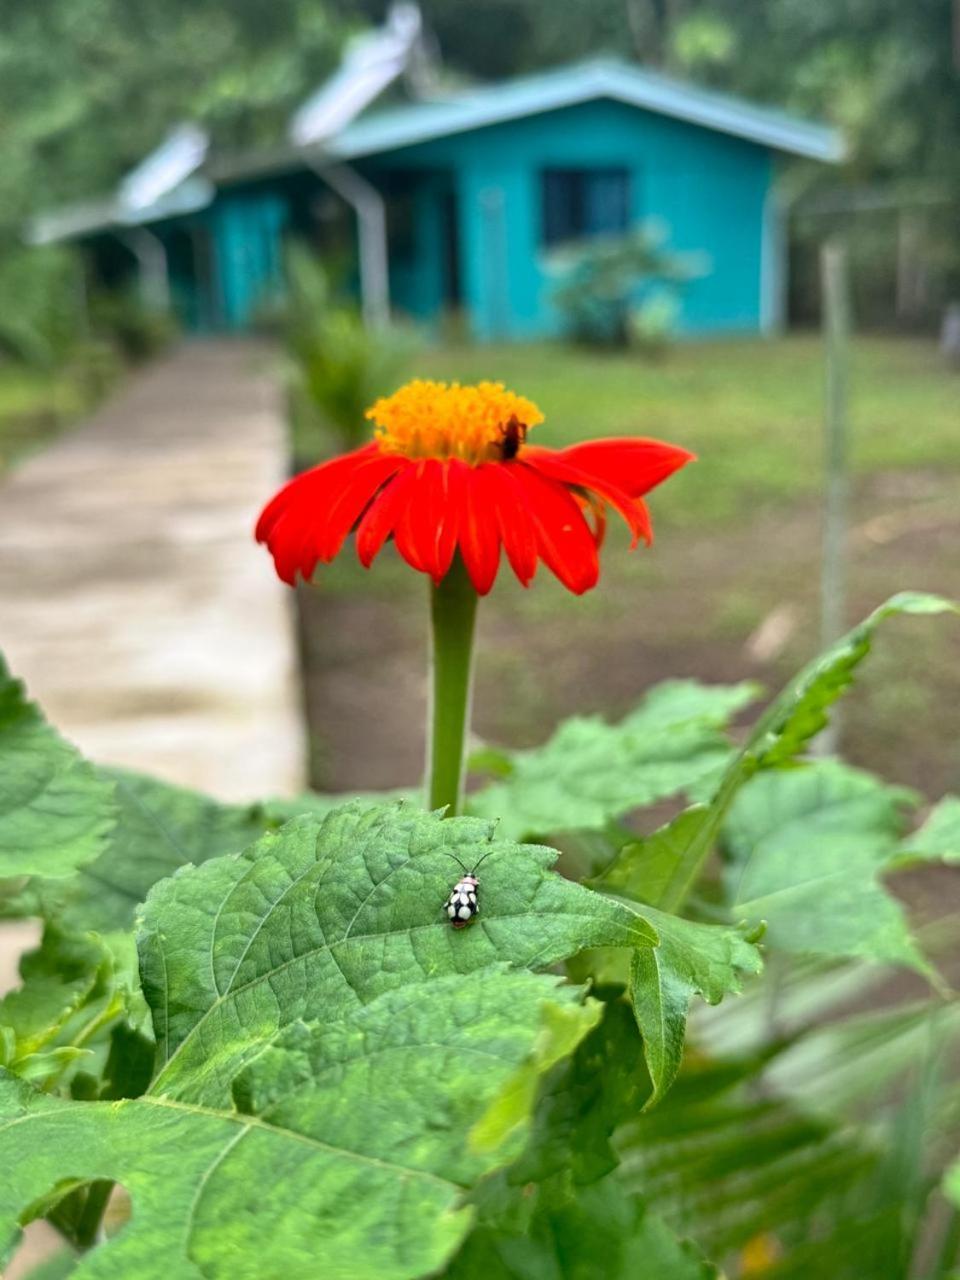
{"points": [[90, 1222], [453, 611]]}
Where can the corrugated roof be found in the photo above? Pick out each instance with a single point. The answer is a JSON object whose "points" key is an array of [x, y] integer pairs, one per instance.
{"points": [[371, 63], [583, 82]]}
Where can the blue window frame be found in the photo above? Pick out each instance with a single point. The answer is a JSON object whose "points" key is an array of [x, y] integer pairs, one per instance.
{"points": [[584, 202]]}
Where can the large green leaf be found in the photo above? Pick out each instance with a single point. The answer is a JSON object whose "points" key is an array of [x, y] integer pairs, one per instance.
{"points": [[807, 847], [590, 771], [690, 959], [159, 827], [55, 811], [663, 869], [329, 913], [645, 869], [348, 1147]]}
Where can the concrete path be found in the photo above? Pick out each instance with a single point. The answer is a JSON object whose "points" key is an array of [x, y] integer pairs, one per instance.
{"points": [[135, 604], [133, 600]]}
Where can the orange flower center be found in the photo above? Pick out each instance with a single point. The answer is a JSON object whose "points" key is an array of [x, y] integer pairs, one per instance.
{"points": [[482, 423]]}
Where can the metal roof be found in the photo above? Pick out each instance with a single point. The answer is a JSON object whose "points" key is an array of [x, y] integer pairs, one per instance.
{"points": [[180, 154], [371, 63], [583, 82]]}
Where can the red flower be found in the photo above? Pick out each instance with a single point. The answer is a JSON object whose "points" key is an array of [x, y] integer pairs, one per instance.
{"points": [[450, 470]]}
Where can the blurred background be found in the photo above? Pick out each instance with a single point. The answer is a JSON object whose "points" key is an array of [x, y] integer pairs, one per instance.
{"points": [[326, 197]]}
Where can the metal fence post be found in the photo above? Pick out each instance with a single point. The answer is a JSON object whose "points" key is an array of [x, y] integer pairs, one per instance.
{"points": [[835, 283]]}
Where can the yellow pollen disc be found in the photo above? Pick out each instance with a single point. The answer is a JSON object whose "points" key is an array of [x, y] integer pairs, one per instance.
{"points": [[482, 423]]}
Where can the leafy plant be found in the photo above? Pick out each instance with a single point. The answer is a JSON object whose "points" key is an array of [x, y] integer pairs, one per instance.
{"points": [[600, 286], [136, 330], [338, 366], [307, 1067]]}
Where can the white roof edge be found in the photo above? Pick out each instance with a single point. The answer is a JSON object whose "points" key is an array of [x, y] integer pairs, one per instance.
{"points": [[571, 86], [111, 214]]}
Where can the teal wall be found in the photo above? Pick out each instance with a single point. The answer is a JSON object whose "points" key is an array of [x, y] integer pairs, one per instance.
{"points": [[710, 189]]}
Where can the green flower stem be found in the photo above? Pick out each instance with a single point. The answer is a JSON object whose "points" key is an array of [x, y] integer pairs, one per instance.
{"points": [[453, 612]]}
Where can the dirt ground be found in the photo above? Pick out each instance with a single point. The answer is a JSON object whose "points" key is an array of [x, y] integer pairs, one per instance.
{"points": [[739, 603]]}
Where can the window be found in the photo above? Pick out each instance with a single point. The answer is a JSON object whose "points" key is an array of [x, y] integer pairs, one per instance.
{"points": [[584, 202]]}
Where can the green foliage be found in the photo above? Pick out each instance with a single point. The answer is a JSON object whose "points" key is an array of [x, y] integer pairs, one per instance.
{"points": [[273, 976], [339, 366], [373, 1109], [599, 285], [136, 330], [77, 1007], [591, 772], [55, 811], [690, 959], [806, 850], [88, 89], [345, 908], [40, 304], [939, 837], [307, 1054], [678, 853], [157, 829], [561, 1206], [813, 1134]]}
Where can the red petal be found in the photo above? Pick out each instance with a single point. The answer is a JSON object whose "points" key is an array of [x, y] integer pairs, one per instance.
{"points": [[633, 465], [382, 515], [479, 528], [348, 506], [557, 466], [310, 487], [309, 518], [427, 529], [564, 540], [288, 543], [509, 505]]}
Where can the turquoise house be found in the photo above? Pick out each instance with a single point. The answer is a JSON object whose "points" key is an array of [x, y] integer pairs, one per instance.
{"points": [[454, 205]]}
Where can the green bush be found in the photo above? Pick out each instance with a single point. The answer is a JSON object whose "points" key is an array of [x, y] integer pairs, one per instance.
{"points": [[41, 304], [136, 330], [612, 289], [337, 366]]}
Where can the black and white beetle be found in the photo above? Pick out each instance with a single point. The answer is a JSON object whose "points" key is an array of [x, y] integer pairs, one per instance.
{"points": [[463, 904]]}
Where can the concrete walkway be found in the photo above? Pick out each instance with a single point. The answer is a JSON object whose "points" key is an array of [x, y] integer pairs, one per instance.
{"points": [[133, 600], [135, 604]]}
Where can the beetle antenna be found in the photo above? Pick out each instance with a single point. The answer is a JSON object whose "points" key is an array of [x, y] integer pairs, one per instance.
{"points": [[483, 859], [457, 861]]}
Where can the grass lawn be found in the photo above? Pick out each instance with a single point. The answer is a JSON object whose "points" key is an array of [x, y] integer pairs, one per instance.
{"points": [[33, 407], [729, 589]]}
